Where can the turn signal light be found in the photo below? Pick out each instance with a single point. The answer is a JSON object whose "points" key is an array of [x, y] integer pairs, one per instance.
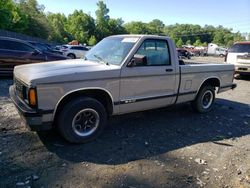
{"points": [[32, 97]]}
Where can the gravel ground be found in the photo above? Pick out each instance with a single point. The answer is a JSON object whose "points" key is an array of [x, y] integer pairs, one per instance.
{"points": [[168, 147]]}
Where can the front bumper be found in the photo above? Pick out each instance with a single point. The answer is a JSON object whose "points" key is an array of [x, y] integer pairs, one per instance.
{"points": [[242, 69], [32, 118]]}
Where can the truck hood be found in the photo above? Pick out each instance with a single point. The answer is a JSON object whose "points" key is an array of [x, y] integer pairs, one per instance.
{"points": [[63, 71]]}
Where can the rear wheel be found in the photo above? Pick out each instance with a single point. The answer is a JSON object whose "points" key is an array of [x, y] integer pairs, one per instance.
{"points": [[82, 120], [204, 100]]}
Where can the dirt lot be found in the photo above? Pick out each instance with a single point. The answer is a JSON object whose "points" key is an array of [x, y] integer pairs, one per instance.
{"points": [[169, 147]]}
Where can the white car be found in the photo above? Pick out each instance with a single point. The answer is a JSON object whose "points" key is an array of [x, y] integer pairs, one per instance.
{"points": [[74, 51], [239, 55]]}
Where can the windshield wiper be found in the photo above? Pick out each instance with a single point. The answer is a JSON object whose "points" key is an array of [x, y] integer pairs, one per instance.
{"points": [[101, 59]]}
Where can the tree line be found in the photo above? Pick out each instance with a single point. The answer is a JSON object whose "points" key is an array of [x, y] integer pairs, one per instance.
{"points": [[28, 17]]}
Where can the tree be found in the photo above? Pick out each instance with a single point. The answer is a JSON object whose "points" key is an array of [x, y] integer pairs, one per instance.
{"points": [[58, 31], [137, 28], [238, 37], [197, 43], [156, 27], [188, 42], [81, 26], [102, 20], [92, 41], [116, 26], [38, 25], [179, 43], [11, 18]]}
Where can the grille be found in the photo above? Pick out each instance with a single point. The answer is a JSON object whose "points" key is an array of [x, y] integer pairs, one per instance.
{"points": [[20, 88]]}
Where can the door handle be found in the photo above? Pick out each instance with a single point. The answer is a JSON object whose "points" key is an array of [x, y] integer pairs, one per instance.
{"points": [[169, 70]]}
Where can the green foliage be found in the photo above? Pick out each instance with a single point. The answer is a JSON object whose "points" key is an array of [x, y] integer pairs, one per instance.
{"points": [[179, 43], [57, 29], [28, 17], [37, 23], [80, 25], [92, 41], [116, 26], [156, 27], [188, 42], [102, 20], [11, 17], [197, 43], [137, 28]]}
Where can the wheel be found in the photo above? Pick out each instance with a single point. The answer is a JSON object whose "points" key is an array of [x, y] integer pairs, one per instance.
{"points": [[81, 120], [204, 100], [71, 56]]}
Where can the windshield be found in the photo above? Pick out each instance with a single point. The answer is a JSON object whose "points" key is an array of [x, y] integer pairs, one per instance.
{"points": [[112, 50]]}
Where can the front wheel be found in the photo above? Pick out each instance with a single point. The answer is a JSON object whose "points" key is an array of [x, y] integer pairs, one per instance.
{"points": [[82, 120], [204, 100]]}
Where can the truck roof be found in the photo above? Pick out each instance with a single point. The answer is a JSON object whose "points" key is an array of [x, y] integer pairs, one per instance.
{"points": [[139, 35]]}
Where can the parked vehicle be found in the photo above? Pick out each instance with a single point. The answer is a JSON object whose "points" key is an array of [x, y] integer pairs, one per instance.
{"points": [[74, 51], [121, 74], [214, 49], [183, 53], [17, 52], [44, 47], [239, 55]]}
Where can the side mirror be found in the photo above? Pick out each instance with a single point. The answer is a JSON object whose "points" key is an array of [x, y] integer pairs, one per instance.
{"points": [[138, 60]]}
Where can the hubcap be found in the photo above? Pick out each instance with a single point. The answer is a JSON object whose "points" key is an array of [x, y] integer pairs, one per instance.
{"points": [[85, 122], [207, 99]]}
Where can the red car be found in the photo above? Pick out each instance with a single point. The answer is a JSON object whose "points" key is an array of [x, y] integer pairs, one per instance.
{"points": [[15, 52]]}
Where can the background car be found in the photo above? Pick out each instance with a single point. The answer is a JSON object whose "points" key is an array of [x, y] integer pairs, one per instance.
{"points": [[17, 52], [74, 51], [239, 55], [183, 53], [44, 47]]}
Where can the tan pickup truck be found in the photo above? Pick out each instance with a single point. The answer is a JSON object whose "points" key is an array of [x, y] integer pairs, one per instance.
{"points": [[121, 74]]}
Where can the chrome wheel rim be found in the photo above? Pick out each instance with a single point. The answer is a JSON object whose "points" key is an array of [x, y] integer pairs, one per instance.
{"points": [[207, 99], [85, 122]]}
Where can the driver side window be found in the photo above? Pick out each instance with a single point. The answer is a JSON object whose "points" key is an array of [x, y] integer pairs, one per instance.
{"points": [[156, 52]]}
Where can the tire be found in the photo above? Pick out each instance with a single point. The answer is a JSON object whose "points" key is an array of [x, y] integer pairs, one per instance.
{"points": [[71, 56], [203, 102], [81, 120]]}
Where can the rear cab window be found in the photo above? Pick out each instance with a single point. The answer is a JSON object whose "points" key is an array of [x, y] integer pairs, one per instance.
{"points": [[240, 48]]}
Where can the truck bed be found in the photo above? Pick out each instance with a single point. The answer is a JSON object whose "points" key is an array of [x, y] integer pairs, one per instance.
{"points": [[192, 77]]}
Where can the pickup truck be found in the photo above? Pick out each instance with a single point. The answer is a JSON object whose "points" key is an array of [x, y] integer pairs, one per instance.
{"points": [[121, 74]]}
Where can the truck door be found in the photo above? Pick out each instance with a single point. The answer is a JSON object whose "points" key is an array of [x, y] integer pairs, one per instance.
{"points": [[148, 85]]}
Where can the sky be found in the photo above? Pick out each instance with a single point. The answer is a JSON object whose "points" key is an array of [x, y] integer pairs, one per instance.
{"points": [[233, 14]]}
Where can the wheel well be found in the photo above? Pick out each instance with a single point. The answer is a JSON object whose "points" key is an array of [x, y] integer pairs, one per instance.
{"points": [[102, 96], [71, 54], [215, 82]]}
